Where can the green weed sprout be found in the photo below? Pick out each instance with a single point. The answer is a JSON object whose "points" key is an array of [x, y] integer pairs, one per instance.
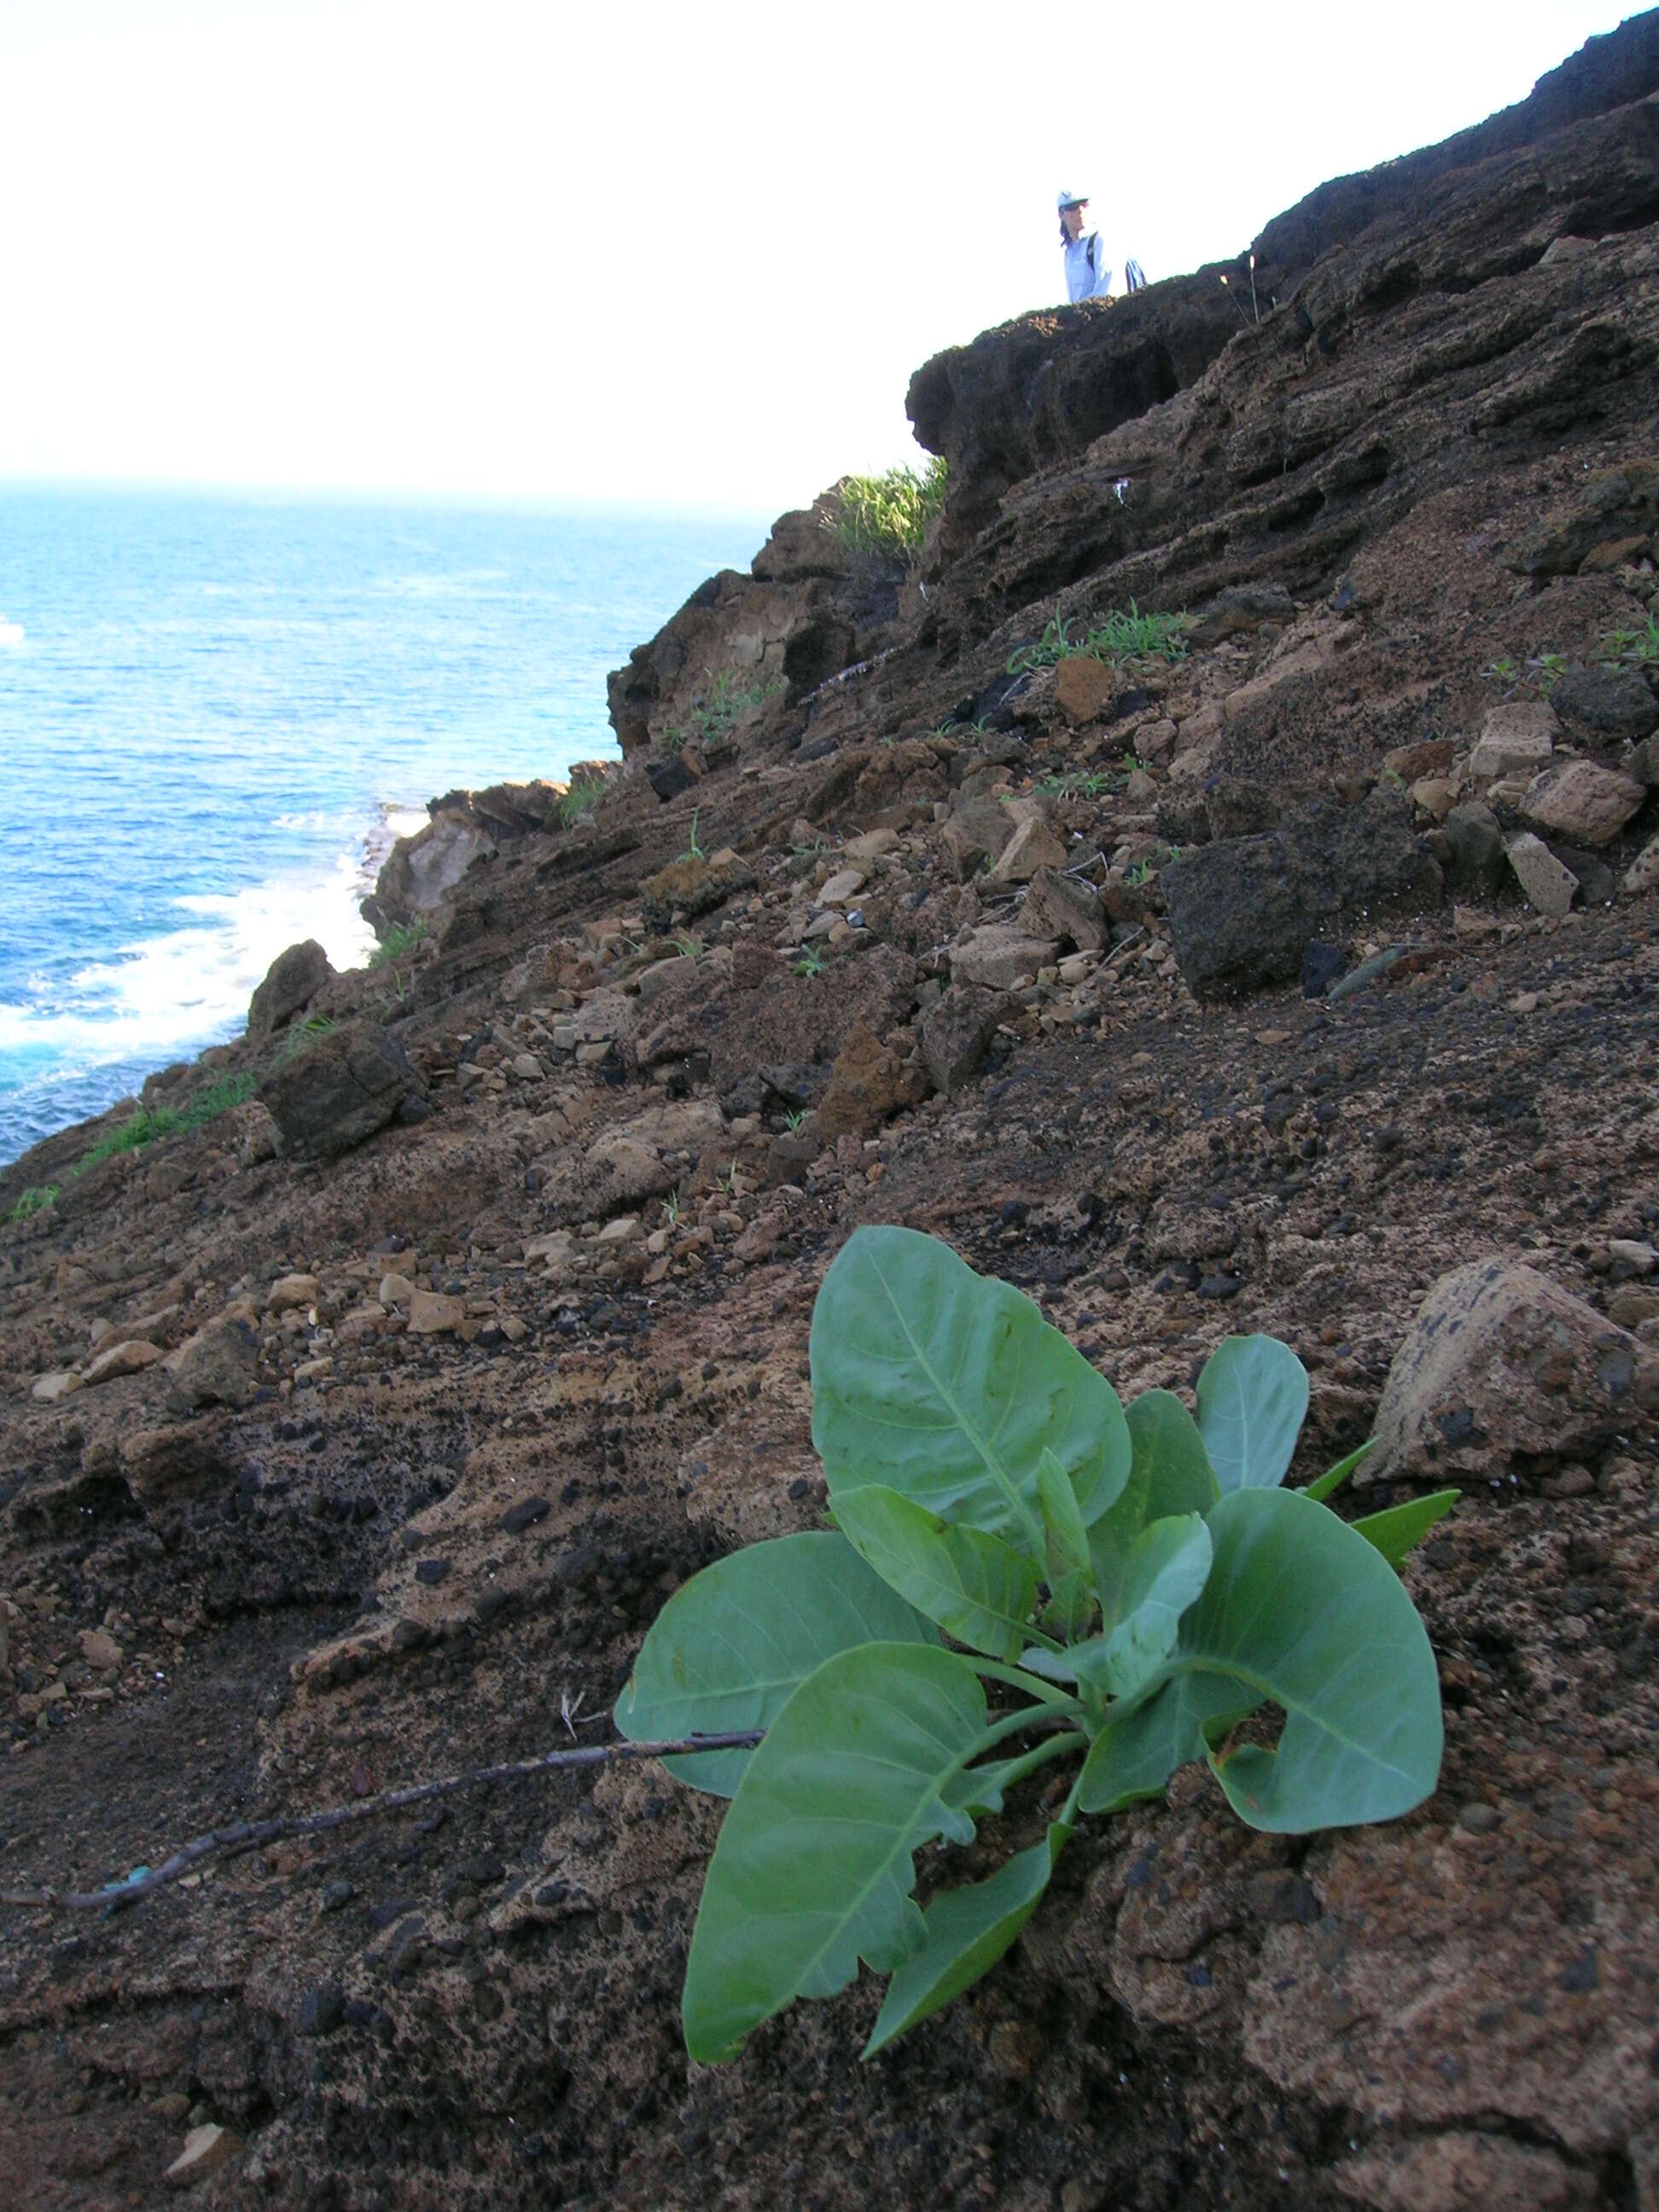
{"points": [[581, 798], [1132, 636], [399, 942], [1135, 1585], [812, 963], [303, 1035], [714, 713], [1639, 648], [794, 1116], [1076, 785], [694, 851], [885, 518]]}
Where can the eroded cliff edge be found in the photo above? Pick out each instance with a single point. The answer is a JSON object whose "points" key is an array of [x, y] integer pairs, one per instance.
{"points": [[348, 1433]]}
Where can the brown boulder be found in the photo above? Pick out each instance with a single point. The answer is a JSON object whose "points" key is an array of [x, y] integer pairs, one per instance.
{"points": [[1084, 688], [787, 1019], [338, 1091], [1062, 907], [1033, 845], [692, 886], [1000, 956], [957, 1031], [1503, 1365], [178, 1459], [217, 1366], [292, 981], [1588, 805], [130, 1357], [975, 832], [868, 1085]]}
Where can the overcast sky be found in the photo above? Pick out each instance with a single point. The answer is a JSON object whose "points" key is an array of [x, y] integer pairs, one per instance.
{"points": [[664, 255]]}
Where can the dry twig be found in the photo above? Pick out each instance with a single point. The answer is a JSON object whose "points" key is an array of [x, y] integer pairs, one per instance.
{"points": [[250, 1835]]}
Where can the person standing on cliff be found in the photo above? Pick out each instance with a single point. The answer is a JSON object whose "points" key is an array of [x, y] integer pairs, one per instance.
{"points": [[1087, 276]]}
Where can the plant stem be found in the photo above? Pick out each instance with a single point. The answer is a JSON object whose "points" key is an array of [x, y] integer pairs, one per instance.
{"points": [[1068, 1811], [1049, 1693], [1055, 1746]]}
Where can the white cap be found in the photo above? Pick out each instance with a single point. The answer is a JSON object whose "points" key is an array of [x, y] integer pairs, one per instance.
{"points": [[1071, 199]]}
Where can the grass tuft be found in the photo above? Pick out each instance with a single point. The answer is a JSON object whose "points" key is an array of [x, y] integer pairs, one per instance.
{"points": [[305, 1034], [400, 940], [1132, 636], [579, 799], [151, 1123], [885, 518], [33, 1200], [713, 714]]}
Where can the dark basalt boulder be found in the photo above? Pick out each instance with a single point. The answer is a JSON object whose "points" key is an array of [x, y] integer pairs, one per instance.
{"points": [[1242, 909], [336, 1093], [292, 981]]}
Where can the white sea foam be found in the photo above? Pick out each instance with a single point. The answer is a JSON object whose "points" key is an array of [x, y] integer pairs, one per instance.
{"points": [[11, 636], [179, 990]]}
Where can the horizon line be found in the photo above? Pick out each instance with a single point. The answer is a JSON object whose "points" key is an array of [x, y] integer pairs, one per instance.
{"points": [[269, 492]]}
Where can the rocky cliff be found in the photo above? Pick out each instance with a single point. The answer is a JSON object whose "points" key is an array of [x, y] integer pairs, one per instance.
{"points": [[365, 1394]]}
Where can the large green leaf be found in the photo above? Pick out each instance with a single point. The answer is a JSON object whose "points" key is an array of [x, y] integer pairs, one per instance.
{"points": [[1070, 1585], [1135, 1755], [1303, 1611], [1396, 1528], [1167, 1570], [1062, 1518], [1252, 1401], [968, 1931], [1170, 1474], [731, 1645], [946, 1386], [813, 1870], [978, 1589]]}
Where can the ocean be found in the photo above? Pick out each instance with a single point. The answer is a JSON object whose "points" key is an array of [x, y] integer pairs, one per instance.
{"points": [[215, 712]]}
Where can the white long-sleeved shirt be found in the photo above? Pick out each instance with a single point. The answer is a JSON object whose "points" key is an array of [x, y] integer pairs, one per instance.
{"points": [[1087, 276]]}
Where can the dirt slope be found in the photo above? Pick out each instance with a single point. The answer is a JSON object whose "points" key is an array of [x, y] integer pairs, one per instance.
{"points": [[324, 1469]]}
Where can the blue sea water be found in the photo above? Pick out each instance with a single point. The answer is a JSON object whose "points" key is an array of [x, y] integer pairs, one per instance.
{"points": [[214, 713]]}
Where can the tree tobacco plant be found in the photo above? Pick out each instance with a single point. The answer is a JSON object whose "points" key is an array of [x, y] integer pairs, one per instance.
{"points": [[1021, 1570]]}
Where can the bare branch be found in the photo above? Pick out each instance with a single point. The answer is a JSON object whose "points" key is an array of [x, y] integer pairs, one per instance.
{"points": [[250, 1835]]}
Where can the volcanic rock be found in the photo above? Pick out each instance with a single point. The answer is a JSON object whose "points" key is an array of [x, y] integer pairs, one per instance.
{"points": [[996, 957], [957, 1031], [1242, 909], [338, 1091], [1549, 884], [1033, 845], [1501, 1366], [216, 1366], [1519, 734], [292, 981], [868, 1084], [1615, 702], [1583, 802], [1062, 906]]}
